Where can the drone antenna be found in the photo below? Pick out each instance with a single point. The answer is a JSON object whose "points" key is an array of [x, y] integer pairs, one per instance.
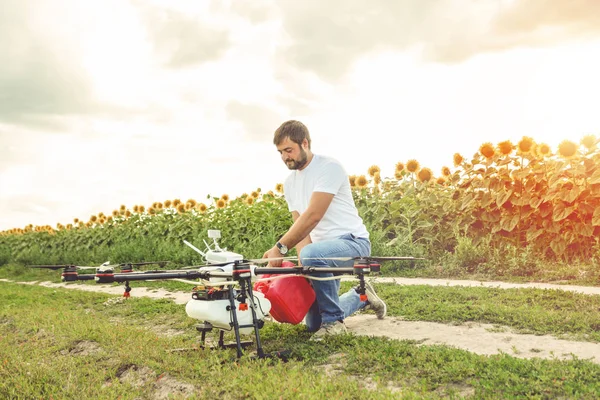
{"points": [[195, 248], [215, 234], [217, 245]]}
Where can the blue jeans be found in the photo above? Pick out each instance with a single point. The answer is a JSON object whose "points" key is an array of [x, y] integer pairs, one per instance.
{"points": [[329, 306]]}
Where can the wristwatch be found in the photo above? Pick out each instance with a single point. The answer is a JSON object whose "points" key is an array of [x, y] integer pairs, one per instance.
{"points": [[282, 248]]}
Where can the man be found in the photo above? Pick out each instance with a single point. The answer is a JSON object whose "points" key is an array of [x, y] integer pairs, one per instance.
{"points": [[326, 224]]}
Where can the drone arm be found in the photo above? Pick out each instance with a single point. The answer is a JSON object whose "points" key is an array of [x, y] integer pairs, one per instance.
{"points": [[111, 277]]}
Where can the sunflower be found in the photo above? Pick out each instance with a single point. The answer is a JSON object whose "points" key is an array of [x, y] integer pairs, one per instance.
{"points": [[506, 147], [373, 169], [399, 175], [127, 213], [123, 207], [115, 213], [543, 150], [589, 142], [279, 188], [188, 206], [399, 166], [176, 202], [424, 175], [352, 180], [567, 149], [101, 215], [221, 203], [180, 208], [81, 224], [109, 218], [141, 208], [412, 166], [525, 145], [201, 207], [151, 210], [159, 205], [487, 150], [377, 178], [446, 171], [361, 181], [441, 180], [167, 203], [93, 218], [458, 159], [76, 220], [136, 208], [101, 221], [255, 194], [249, 200]]}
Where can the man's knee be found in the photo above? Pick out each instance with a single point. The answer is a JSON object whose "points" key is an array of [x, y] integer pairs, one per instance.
{"points": [[309, 254]]}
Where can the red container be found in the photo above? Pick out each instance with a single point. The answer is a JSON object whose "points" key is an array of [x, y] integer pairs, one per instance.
{"points": [[290, 297]]}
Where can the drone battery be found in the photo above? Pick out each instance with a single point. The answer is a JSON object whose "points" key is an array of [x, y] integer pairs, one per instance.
{"points": [[290, 297]]}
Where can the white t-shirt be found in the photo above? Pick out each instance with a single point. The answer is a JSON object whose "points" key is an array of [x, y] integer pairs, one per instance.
{"points": [[325, 174]]}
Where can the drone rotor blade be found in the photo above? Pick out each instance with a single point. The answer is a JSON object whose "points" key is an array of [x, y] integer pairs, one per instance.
{"points": [[161, 263], [266, 260], [53, 267], [374, 258], [85, 267], [392, 258]]}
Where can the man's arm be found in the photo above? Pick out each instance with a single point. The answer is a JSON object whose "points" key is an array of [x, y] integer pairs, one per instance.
{"points": [[304, 224], [303, 242]]}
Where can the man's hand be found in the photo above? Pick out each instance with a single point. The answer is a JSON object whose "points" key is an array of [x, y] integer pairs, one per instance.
{"points": [[273, 252]]}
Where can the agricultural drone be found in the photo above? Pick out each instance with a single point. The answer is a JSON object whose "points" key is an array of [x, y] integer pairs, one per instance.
{"points": [[223, 296]]}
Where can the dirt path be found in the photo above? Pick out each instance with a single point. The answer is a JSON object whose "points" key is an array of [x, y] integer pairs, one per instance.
{"points": [[474, 337]]}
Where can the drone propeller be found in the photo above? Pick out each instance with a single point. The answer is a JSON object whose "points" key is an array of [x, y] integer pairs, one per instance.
{"points": [[57, 267], [267, 260], [159, 263], [367, 258], [104, 265], [246, 261]]}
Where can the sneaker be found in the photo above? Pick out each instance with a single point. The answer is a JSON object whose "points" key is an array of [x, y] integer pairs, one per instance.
{"points": [[328, 329], [375, 303]]}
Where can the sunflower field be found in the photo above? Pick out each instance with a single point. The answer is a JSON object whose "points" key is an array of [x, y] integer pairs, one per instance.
{"points": [[509, 207]]}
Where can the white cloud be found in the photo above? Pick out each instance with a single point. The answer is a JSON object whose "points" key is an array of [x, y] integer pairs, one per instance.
{"points": [[132, 114]]}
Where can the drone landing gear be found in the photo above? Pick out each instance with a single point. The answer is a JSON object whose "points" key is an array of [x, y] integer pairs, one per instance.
{"points": [[207, 327]]}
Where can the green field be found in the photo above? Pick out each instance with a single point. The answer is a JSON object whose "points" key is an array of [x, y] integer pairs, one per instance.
{"points": [[59, 343]]}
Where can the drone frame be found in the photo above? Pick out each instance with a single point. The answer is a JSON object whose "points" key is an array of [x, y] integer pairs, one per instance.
{"points": [[241, 273]]}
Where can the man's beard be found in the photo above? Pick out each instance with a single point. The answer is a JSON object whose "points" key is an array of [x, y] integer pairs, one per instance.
{"points": [[300, 163]]}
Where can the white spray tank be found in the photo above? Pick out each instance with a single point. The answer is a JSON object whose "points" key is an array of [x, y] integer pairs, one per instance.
{"points": [[218, 313], [215, 308]]}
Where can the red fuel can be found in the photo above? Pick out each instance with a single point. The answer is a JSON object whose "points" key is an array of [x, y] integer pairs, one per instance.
{"points": [[290, 296]]}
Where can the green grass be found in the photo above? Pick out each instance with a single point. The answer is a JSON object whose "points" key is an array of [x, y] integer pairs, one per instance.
{"points": [[535, 311], [57, 343], [560, 313]]}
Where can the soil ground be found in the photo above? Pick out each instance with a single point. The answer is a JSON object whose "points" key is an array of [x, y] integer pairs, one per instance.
{"points": [[474, 337]]}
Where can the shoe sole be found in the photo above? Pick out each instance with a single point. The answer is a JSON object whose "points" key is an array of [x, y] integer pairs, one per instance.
{"points": [[378, 298]]}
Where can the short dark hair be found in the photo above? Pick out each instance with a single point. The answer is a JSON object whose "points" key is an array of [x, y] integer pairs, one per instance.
{"points": [[295, 130]]}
